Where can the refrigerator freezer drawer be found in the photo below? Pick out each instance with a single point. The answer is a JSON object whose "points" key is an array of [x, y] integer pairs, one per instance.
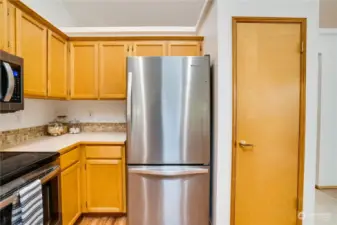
{"points": [[168, 195]]}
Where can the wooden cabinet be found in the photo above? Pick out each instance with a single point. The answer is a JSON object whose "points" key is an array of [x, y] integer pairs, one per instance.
{"points": [[7, 27], [92, 181], [71, 194], [104, 185], [3, 24], [154, 48], [32, 46], [57, 66], [84, 70], [112, 72], [185, 48], [12, 28]]}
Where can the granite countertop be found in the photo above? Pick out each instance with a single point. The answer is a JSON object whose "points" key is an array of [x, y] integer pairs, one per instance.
{"points": [[61, 143]]}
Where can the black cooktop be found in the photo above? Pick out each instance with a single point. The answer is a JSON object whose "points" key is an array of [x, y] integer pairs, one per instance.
{"points": [[16, 164]]}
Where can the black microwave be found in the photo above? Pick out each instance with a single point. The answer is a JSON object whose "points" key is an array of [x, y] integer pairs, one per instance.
{"points": [[11, 83]]}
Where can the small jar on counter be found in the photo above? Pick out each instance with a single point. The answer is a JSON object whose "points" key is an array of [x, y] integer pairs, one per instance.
{"points": [[74, 127], [63, 120], [55, 129]]}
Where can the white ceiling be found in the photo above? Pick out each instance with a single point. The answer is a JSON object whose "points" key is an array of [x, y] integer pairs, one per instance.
{"points": [[123, 13]]}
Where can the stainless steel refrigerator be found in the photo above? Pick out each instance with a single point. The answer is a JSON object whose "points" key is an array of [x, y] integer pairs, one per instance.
{"points": [[168, 140]]}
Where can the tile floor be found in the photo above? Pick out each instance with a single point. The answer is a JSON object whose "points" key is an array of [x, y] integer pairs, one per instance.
{"points": [[326, 207]]}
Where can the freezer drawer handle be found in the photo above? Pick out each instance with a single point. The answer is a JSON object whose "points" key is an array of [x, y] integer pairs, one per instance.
{"points": [[169, 173]]}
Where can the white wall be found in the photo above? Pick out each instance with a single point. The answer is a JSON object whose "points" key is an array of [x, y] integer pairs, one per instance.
{"points": [[209, 29], [37, 112], [93, 111], [327, 148], [52, 10], [223, 105]]}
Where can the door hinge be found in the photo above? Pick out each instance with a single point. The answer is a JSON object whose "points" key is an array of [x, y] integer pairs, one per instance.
{"points": [[302, 47]]}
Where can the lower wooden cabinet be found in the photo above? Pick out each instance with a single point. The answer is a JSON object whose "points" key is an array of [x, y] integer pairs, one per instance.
{"points": [[71, 194], [92, 181], [104, 185]]}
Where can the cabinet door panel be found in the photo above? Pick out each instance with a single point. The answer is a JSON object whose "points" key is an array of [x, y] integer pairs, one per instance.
{"points": [[11, 28], [32, 46], [113, 70], [57, 66], [84, 70], [186, 48], [149, 49], [104, 186], [3, 24], [70, 194]]}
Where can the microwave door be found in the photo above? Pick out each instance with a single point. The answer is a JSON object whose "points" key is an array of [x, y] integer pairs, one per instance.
{"points": [[7, 94]]}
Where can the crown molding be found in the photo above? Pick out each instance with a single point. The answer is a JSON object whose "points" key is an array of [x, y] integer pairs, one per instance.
{"points": [[203, 14], [120, 31]]}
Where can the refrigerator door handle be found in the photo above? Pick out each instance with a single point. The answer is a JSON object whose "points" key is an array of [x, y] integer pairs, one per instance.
{"points": [[129, 102], [168, 173]]}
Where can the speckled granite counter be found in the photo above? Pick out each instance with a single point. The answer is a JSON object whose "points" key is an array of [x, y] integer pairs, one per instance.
{"points": [[63, 143]]}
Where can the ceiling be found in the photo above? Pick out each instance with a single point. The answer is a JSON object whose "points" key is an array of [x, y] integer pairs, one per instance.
{"points": [[120, 13]]}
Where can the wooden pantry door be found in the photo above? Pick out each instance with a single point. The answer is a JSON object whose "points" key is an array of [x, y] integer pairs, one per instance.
{"points": [[268, 131]]}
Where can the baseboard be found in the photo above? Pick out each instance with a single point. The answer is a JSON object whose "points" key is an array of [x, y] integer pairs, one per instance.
{"points": [[325, 187]]}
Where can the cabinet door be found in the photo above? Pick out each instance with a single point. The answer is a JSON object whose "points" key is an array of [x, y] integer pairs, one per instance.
{"points": [[3, 24], [70, 194], [32, 46], [57, 66], [185, 48], [104, 185], [112, 79], [84, 70], [11, 28], [149, 48]]}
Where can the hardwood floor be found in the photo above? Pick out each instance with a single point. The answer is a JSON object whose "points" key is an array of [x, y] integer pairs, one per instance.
{"points": [[104, 220]]}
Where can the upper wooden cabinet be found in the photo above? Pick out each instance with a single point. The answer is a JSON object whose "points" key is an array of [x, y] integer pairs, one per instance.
{"points": [[112, 72], [104, 185], [3, 23], [32, 46], [12, 28], [7, 27], [185, 48], [84, 70], [153, 48], [57, 66]]}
